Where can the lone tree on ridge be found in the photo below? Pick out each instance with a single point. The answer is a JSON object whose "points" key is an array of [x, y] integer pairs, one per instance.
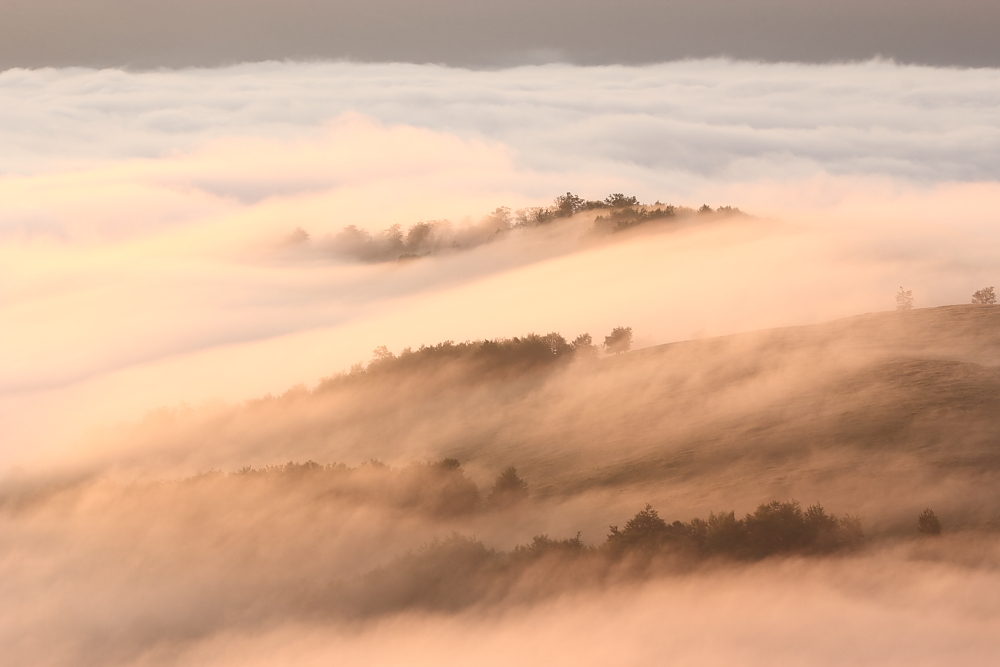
{"points": [[904, 299], [985, 296], [619, 340]]}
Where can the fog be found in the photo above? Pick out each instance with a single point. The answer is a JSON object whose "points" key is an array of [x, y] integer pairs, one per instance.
{"points": [[184, 314], [132, 556], [792, 613]]}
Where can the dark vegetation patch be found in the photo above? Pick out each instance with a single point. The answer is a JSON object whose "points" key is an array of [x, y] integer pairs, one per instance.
{"points": [[480, 360], [429, 237], [460, 571]]}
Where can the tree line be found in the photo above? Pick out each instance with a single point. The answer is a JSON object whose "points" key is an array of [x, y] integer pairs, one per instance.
{"points": [[485, 358], [432, 236], [442, 488]]}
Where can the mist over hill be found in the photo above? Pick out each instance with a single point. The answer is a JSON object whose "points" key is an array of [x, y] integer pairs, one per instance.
{"points": [[302, 364], [614, 214], [504, 474]]}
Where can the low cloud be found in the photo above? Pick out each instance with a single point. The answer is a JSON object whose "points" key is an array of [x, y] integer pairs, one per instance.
{"points": [[147, 258], [674, 123]]}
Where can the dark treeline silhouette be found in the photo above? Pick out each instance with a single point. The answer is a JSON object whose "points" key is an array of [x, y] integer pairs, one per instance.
{"points": [[776, 527], [459, 571], [480, 359], [429, 237]]}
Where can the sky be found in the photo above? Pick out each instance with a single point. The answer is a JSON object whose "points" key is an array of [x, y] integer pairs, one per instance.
{"points": [[148, 34]]}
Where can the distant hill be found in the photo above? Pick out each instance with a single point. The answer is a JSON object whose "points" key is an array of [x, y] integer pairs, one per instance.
{"points": [[490, 473], [878, 415]]}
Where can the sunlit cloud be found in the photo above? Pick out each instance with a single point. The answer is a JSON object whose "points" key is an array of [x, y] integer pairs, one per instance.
{"points": [[169, 254], [143, 261]]}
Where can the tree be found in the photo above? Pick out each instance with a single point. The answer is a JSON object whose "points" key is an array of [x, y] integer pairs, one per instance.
{"points": [[775, 527], [904, 299], [928, 523], [583, 346], [618, 200], [300, 235], [568, 204], [985, 296], [501, 217], [645, 530], [508, 489], [705, 209], [619, 340]]}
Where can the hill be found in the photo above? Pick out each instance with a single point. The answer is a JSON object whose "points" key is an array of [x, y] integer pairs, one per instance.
{"points": [[416, 505], [901, 405]]}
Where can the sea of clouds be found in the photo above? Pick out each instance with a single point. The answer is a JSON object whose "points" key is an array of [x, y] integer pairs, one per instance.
{"points": [[145, 217]]}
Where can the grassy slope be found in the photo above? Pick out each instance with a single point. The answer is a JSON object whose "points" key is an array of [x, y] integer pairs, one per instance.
{"points": [[879, 414]]}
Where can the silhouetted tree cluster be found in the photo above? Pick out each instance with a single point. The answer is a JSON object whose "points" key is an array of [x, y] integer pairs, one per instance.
{"points": [[460, 571], [628, 213], [485, 358], [423, 238], [985, 296], [432, 236], [773, 528], [621, 219]]}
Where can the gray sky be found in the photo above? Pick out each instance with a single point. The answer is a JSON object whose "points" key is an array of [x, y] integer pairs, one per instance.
{"points": [[156, 33]]}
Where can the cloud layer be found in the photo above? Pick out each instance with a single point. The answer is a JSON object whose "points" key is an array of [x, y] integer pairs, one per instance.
{"points": [[108, 33], [146, 217], [659, 125]]}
